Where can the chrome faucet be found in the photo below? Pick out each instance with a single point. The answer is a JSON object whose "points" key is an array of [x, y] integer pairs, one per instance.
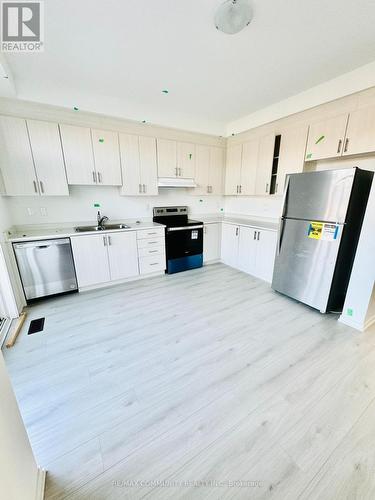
{"points": [[102, 220]]}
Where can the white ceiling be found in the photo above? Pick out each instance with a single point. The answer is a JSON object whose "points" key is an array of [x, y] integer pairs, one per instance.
{"points": [[116, 56]]}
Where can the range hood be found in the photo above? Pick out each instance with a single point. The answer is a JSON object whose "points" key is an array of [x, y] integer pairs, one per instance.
{"points": [[169, 182]]}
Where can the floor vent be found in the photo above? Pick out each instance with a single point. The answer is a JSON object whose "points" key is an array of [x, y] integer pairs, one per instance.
{"points": [[36, 325]]}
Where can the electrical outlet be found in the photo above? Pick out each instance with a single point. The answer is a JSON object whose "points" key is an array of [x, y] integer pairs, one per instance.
{"points": [[43, 211], [30, 212]]}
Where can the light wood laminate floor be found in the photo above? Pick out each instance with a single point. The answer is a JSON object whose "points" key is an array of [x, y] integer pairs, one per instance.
{"points": [[204, 384]]}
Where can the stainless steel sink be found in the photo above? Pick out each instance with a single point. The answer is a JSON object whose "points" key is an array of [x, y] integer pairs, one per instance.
{"points": [[107, 227]]}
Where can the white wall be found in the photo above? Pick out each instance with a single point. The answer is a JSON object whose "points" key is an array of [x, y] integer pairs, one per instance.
{"points": [[359, 307], [79, 206], [18, 469]]}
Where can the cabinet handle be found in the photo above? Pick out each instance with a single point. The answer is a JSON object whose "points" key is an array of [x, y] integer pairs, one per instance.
{"points": [[237, 189], [176, 169], [267, 187], [35, 187], [144, 188], [152, 242], [255, 235], [41, 186], [94, 177], [258, 235], [153, 251], [140, 188], [236, 231], [339, 146], [346, 145], [100, 178], [105, 240], [154, 263], [276, 188], [240, 188], [109, 241]]}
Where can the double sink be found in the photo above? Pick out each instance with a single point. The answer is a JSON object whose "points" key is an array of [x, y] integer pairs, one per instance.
{"points": [[106, 227]]}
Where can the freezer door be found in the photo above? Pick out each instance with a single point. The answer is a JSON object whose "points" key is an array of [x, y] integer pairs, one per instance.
{"points": [[320, 196], [305, 262]]}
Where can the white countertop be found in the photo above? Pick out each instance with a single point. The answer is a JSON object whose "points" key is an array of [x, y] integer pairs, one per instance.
{"points": [[239, 220], [47, 231], [62, 231]]}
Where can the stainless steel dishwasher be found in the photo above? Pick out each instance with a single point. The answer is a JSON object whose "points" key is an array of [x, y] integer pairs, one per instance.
{"points": [[46, 267]]}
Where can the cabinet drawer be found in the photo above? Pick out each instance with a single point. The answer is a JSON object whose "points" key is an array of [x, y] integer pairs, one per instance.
{"points": [[152, 264], [149, 252], [150, 233], [151, 242]]}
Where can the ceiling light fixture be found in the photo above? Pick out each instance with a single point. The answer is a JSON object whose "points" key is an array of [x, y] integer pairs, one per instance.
{"points": [[233, 16]]}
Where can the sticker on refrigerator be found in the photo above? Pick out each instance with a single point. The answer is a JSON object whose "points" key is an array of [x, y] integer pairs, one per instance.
{"points": [[330, 232], [194, 235], [315, 230], [323, 231]]}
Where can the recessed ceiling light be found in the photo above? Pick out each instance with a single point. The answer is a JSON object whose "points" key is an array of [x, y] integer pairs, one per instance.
{"points": [[233, 16]]}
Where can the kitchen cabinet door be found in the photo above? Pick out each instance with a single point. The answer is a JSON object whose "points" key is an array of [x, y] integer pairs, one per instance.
{"points": [[91, 259], [202, 169], [264, 167], [229, 244], [216, 172], [130, 165], [249, 164], [106, 157], [167, 158], [360, 135], [211, 242], [186, 160], [148, 165], [78, 154], [49, 162], [247, 249], [16, 161], [266, 242], [326, 138], [292, 154], [233, 170], [123, 255]]}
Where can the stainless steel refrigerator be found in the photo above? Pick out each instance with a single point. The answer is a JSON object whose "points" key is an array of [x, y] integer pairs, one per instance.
{"points": [[318, 235]]}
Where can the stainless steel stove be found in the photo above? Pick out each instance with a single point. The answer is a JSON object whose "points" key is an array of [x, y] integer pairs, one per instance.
{"points": [[184, 238]]}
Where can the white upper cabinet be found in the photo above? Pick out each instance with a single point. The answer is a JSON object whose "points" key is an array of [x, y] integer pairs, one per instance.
{"points": [[326, 138], [292, 154], [16, 161], [209, 170], [176, 159], [264, 168], [167, 158], [216, 172], [92, 157], [233, 169], [106, 157], [139, 166], [186, 160], [48, 158], [78, 153], [360, 135], [249, 163]]}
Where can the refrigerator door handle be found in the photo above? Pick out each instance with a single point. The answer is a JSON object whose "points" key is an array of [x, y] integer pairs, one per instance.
{"points": [[285, 194]]}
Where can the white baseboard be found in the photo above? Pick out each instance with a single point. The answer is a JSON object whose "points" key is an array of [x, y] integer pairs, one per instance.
{"points": [[41, 484]]}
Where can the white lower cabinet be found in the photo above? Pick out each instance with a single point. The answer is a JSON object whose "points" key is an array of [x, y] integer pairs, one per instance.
{"points": [[122, 253], [91, 259], [249, 249], [229, 244], [151, 251], [211, 242], [100, 258]]}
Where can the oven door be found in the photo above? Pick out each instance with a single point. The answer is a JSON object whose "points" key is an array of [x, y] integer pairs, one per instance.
{"points": [[184, 248]]}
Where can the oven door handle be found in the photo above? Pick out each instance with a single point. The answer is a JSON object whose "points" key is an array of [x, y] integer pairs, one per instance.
{"points": [[184, 228]]}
